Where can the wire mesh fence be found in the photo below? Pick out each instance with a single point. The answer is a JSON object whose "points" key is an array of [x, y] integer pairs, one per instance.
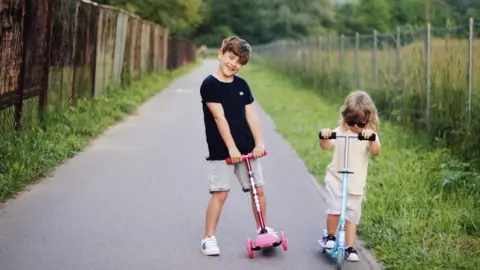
{"points": [[53, 52], [426, 78]]}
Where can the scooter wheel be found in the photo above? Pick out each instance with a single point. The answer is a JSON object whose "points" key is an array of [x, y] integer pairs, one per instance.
{"points": [[340, 260], [250, 249], [284, 241]]}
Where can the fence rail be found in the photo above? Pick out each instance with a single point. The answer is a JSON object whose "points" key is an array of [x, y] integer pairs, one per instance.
{"points": [[53, 52], [428, 78]]}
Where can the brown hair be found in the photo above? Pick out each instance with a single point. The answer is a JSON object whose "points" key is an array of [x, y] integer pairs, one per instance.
{"points": [[359, 106], [237, 46]]}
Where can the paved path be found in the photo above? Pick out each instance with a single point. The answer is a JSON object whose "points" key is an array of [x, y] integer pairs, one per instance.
{"points": [[136, 199]]}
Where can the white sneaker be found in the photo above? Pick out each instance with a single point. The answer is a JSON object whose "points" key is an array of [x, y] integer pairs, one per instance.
{"points": [[329, 241], [351, 254], [270, 230], [209, 246]]}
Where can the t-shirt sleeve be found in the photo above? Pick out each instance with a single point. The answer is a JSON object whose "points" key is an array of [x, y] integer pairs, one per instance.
{"points": [[249, 99], [209, 92]]}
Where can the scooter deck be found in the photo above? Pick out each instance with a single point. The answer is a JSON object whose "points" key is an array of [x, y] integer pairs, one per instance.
{"points": [[329, 250], [266, 240]]}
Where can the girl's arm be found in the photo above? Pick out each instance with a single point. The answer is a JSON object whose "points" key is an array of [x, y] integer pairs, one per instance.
{"points": [[326, 144], [374, 147]]}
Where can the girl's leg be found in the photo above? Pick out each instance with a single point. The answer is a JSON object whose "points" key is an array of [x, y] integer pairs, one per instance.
{"points": [[332, 223], [333, 213], [350, 234], [353, 218]]}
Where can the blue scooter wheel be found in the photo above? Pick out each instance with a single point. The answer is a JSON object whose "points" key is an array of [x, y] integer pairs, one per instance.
{"points": [[340, 257]]}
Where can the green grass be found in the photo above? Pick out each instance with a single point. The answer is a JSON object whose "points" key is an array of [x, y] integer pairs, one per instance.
{"points": [[418, 213], [30, 155]]}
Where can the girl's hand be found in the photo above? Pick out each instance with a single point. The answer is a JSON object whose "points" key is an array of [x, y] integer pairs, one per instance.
{"points": [[367, 133], [326, 132]]}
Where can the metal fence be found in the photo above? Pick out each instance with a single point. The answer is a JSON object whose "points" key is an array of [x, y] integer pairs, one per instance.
{"points": [[53, 52], [428, 78]]}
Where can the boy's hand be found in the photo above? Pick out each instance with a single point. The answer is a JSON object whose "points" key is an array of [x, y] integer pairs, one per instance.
{"points": [[258, 151], [235, 155], [367, 133], [326, 132]]}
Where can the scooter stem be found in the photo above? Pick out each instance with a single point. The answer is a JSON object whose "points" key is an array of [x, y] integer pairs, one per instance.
{"points": [[255, 196]]}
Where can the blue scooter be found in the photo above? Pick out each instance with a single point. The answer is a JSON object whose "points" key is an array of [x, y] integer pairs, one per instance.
{"points": [[338, 252]]}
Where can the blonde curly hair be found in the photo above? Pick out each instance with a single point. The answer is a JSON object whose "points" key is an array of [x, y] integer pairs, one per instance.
{"points": [[359, 106]]}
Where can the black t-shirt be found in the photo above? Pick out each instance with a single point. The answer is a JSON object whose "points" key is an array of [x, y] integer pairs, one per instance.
{"points": [[233, 96]]}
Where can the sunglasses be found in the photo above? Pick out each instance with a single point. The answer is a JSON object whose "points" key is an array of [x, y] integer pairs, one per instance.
{"points": [[359, 124]]}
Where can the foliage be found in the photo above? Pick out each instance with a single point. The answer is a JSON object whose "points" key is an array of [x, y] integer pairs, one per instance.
{"points": [[422, 209], [32, 154], [179, 16], [264, 21]]}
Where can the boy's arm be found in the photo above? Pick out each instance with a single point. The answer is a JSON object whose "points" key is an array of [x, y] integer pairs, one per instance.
{"points": [[222, 124], [211, 96], [252, 117], [254, 123]]}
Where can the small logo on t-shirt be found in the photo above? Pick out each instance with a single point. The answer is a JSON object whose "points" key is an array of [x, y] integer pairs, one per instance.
{"points": [[241, 93]]}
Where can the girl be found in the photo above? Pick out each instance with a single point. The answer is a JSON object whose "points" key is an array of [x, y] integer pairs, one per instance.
{"points": [[357, 115]]}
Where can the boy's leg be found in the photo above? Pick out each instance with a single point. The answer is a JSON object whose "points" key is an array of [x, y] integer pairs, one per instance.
{"points": [[241, 172], [221, 175]]}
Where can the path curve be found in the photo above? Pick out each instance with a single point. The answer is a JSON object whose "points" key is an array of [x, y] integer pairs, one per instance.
{"points": [[136, 199]]}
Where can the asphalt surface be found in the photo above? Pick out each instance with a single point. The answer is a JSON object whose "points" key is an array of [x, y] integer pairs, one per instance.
{"points": [[136, 199]]}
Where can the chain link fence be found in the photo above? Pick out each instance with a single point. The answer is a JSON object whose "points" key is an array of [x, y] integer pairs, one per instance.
{"points": [[425, 78], [53, 52]]}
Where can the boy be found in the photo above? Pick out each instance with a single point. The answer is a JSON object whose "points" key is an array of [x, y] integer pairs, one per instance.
{"points": [[232, 129]]}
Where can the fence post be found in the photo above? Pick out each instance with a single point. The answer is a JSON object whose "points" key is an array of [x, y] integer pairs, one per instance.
{"points": [[342, 41], [357, 77], [398, 62], [165, 47], [74, 47], [26, 34], [374, 58], [470, 70], [320, 58], [329, 60], [427, 75], [95, 48], [43, 98], [309, 53]]}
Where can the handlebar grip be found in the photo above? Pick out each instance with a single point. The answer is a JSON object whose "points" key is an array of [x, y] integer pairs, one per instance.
{"points": [[372, 138], [332, 137], [249, 156]]}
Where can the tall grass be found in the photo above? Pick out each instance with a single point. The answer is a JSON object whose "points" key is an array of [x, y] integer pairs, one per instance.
{"points": [[399, 87]]}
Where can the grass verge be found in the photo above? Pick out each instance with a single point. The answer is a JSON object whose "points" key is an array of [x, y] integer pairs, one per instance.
{"points": [[27, 156], [418, 213]]}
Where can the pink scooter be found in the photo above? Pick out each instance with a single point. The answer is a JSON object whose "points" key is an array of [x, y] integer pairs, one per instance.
{"points": [[264, 239]]}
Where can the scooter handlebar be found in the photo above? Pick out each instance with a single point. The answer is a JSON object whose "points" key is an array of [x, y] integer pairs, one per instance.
{"points": [[249, 156], [358, 136]]}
